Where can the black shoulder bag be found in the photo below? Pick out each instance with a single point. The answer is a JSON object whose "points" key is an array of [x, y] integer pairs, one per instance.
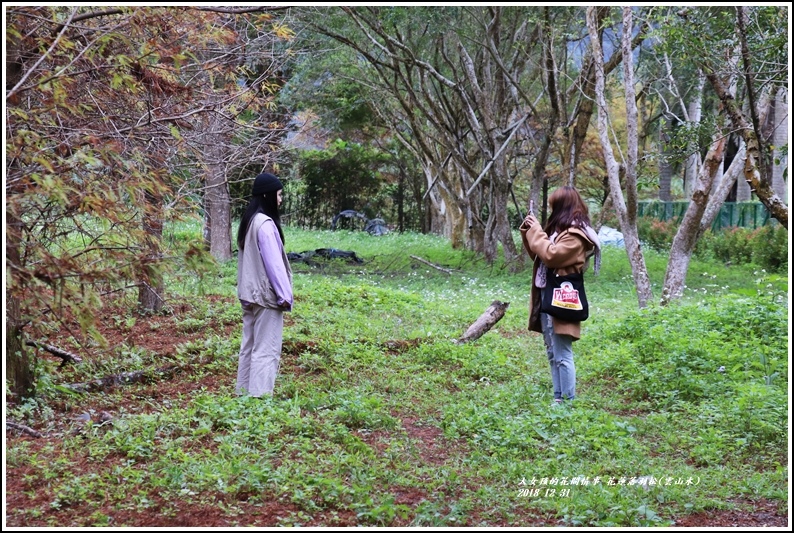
{"points": [[564, 297]]}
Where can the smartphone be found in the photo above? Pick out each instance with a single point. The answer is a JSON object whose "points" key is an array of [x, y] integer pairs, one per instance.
{"points": [[531, 207]]}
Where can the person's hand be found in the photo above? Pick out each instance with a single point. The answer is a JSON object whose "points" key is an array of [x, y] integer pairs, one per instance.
{"points": [[530, 220]]}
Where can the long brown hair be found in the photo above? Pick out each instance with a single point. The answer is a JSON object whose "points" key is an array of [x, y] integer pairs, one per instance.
{"points": [[567, 209]]}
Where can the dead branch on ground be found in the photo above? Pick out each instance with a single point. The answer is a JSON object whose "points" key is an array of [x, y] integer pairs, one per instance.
{"points": [[428, 263], [24, 429], [66, 357]]}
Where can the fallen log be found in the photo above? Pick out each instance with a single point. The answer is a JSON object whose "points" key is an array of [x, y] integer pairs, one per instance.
{"points": [[66, 357], [124, 378], [485, 322], [23, 429]]}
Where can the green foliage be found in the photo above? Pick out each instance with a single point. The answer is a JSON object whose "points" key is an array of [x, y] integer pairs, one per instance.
{"points": [[688, 138], [734, 245], [765, 247], [107, 130], [658, 234], [771, 248], [345, 176], [718, 360], [324, 81]]}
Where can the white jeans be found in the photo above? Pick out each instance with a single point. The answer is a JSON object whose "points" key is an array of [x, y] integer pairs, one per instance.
{"points": [[559, 349], [260, 350]]}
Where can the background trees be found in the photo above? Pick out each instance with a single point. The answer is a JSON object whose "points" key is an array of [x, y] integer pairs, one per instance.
{"points": [[112, 117], [704, 42], [122, 119]]}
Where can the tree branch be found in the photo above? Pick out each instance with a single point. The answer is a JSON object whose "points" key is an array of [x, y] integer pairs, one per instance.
{"points": [[428, 263], [242, 10], [66, 357]]}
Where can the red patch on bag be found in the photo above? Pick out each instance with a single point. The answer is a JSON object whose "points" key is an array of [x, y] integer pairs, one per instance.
{"points": [[566, 296]]}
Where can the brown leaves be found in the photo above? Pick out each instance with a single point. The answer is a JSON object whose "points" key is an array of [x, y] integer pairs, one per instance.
{"points": [[157, 83]]}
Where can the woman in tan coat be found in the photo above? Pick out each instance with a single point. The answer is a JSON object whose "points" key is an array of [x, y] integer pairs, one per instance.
{"points": [[562, 247]]}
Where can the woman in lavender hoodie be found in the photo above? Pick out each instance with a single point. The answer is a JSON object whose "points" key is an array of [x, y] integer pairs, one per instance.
{"points": [[264, 287]]}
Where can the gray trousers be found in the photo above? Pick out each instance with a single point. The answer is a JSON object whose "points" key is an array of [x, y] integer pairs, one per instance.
{"points": [[260, 350], [559, 349]]}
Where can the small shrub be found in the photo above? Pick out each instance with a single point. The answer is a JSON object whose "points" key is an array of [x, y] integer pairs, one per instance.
{"points": [[658, 234], [734, 246], [770, 248]]}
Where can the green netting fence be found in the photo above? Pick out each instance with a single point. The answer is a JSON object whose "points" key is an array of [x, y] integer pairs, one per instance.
{"points": [[732, 214]]}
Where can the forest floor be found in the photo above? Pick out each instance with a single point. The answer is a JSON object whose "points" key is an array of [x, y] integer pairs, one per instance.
{"points": [[24, 492]]}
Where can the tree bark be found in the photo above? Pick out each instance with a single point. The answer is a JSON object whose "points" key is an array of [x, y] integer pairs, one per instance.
{"points": [[217, 202], [125, 378], [665, 167], [66, 357], [692, 169], [688, 231], [780, 121], [722, 190], [19, 367], [24, 429], [151, 285], [579, 122], [555, 97], [428, 263]]}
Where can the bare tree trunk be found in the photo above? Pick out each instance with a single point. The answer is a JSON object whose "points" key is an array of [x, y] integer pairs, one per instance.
{"points": [[626, 208], [779, 140], [579, 121], [217, 202], [151, 286], [19, 366], [749, 127], [687, 234], [665, 168], [485, 322], [457, 221], [692, 171], [555, 96], [497, 228], [722, 190], [743, 191], [725, 182]]}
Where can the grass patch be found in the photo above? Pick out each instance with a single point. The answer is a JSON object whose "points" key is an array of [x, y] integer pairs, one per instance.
{"points": [[380, 419]]}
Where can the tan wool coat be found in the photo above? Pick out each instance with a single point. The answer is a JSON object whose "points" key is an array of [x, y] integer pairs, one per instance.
{"points": [[566, 255]]}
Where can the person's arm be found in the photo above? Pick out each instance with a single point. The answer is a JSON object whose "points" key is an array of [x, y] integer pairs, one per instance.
{"points": [[527, 223], [561, 253], [270, 248]]}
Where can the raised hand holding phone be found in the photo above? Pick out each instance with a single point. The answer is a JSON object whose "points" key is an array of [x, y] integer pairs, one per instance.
{"points": [[530, 218]]}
